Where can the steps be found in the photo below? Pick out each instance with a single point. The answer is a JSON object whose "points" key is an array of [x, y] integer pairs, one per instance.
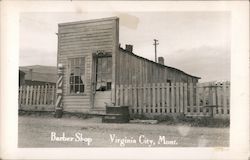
{"points": [[116, 114]]}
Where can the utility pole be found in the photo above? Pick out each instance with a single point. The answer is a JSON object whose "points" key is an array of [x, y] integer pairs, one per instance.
{"points": [[155, 44]]}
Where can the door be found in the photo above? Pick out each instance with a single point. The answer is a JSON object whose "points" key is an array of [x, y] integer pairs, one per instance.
{"points": [[103, 80]]}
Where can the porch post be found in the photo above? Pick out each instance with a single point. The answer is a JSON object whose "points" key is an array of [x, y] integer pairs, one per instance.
{"points": [[59, 92]]}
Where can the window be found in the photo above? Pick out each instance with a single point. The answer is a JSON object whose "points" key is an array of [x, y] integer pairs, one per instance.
{"points": [[76, 75], [103, 73]]}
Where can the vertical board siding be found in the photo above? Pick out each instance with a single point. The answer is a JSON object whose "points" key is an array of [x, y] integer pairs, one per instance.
{"points": [[175, 98]]}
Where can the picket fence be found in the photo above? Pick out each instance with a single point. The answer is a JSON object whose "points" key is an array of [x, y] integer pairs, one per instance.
{"points": [[37, 97], [201, 99]]}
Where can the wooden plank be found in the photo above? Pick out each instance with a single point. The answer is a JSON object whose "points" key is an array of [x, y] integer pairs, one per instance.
{"points": [[172, 97], [144, 98], [130, 97], [121, 95], [139, 98], [135, 98], [191, 93], [27, 95], [219, 99], [153, 97], [126, 95], [149, 98], [163, 98], [45, 94], [167, 97], [158, 103], [53, 95], [34, 95], [31, 95], [20, 95], [181, 98], [185, 98], [38, 95], [177, 97], [224, 94], [117, 103], [41, 95], [197, 103]]}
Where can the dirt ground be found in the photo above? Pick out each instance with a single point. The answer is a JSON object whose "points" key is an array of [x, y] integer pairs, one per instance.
{"points": [[91, 132]]}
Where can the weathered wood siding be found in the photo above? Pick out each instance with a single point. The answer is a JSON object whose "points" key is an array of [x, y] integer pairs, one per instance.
{"points": [[136, 70], [82, 39]]}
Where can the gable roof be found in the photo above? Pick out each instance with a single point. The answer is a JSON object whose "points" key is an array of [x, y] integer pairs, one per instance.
{"points": [[40, 73]]}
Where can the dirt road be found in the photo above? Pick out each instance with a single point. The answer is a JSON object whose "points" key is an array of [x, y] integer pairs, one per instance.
{"points": [[75, 132]]}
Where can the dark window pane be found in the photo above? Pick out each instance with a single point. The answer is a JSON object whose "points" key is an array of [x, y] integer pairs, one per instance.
{"points": [[81, 88], [71, 88], [77, 79], [77, 90]]}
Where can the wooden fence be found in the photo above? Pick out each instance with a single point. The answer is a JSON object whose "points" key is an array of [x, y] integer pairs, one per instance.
{"points": [[202, 99], [37, 97]]}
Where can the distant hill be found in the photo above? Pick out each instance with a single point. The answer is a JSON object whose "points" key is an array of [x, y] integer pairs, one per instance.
{"points": [[40, 73]]}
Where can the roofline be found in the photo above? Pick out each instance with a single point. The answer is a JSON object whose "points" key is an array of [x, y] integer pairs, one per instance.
{"points": [[131, 53], [88, 21]]}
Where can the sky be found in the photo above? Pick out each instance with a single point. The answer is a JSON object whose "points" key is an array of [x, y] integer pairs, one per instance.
{"points": [[196, 42]]}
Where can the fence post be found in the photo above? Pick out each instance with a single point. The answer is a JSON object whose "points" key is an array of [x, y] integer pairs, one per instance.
{"points": [[168, 97], [172, 97], [181, 97], [185, 98], [177, 98], [198, 107], [144, 98], [154, 97], [163, 98]]}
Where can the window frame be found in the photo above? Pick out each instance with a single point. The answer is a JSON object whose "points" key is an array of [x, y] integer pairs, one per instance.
{"points": [[68, 76], [96, 72]]}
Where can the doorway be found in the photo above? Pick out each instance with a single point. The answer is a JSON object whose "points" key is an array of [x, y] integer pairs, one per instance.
{"points": [[103, 81]]}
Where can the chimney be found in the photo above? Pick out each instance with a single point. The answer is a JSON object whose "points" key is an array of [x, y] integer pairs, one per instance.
{"points": [[129, 48], [161, 60]]}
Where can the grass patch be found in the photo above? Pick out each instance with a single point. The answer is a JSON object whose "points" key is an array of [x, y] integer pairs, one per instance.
{"points": [[52, 114], [181, 119]]}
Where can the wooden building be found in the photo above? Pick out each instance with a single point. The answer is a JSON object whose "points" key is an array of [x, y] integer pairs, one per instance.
{"points": [[39, 75], [94, 64]]}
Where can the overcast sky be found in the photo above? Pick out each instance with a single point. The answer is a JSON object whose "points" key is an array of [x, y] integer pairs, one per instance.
{"points": [[196, 42]]}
